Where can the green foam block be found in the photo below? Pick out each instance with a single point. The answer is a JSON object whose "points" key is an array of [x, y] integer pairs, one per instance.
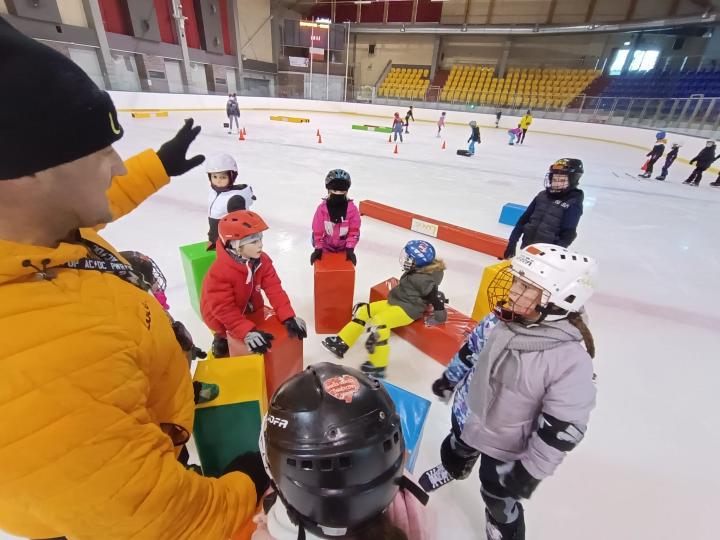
{"points": [[196, 262], [222, 433], [379, 129]]}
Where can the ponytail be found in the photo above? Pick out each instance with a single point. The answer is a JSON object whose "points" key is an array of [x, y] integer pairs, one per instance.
{"points": [[576, 320]]}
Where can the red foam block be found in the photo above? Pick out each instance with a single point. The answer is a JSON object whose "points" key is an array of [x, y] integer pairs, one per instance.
{"points": [[439, 342], [477, 241], [284, 360], [334, 288]]}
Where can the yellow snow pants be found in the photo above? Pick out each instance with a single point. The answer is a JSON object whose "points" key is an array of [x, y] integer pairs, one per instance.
{"points": [[382, 317]]}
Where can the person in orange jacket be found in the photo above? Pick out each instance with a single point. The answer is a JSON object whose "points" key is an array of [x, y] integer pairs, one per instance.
{"points": [[96, 400]]}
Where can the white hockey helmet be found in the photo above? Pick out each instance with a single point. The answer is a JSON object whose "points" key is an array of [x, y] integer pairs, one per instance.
{"points": [[567, 279], [220, 163]]}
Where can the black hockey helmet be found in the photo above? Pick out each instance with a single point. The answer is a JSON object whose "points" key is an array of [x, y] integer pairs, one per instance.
{"points": [[338, 180], [572, 167], [147, 268], [333, 445]]}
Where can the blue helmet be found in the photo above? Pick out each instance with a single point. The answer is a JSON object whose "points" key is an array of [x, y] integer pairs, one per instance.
{"points": [[418, 253], [660, 135], [338, 179]]}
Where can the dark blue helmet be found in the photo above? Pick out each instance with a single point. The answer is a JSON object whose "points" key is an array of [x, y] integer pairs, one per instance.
{"points": [[338, 180]]}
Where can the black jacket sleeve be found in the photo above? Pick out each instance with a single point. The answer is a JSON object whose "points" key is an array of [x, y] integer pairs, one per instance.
{"points": [[568, 226], [518, 230], [435, 298]]}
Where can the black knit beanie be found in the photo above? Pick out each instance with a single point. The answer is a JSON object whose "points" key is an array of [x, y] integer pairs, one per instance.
{"points": [[51, 112]]}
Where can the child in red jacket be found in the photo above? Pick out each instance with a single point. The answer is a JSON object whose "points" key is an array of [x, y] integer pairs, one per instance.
{"points": [[233, 285]]}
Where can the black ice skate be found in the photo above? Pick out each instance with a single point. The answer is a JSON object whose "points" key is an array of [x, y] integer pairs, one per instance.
{"points": [[369, 369], [660, 177], [716, 183], [220, 347], [494, 530], [644, 175], [336, 346], [435, 478]]}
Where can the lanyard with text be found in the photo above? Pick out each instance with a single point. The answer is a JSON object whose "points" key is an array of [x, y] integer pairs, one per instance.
{"points": [[106, 261]]}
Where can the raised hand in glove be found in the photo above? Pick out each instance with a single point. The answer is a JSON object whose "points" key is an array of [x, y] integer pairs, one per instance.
{"points": [[251, 464], [509, 252], [258, 341], [514, 477], [296, 327], [350, 256], [315, 256], [172, 153], [185, 340]]}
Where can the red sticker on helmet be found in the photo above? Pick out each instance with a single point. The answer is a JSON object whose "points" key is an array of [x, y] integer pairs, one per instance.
{"points": [[343, 388]]}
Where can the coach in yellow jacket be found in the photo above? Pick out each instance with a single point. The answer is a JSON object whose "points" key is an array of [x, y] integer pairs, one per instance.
{"points": [[95, 395], [525, 122]]}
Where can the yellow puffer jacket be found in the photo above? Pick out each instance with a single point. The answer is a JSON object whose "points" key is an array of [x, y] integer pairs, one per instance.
{"points": [[525, 121], [93, 385]]}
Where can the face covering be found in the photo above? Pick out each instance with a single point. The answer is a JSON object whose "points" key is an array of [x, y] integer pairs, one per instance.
{"points": [[337, 207]]}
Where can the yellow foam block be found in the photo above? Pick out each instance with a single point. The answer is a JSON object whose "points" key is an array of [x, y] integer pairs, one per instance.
{"points": [[141, 115], [292, 119], [161, 114], [482, 305], [240, 378]]}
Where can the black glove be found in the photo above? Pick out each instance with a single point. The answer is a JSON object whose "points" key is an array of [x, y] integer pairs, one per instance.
{"points": [[350, 256], [440, 316], [514, 477], [185, 340], [315, 256], [258, 341], [251, 463], [509, 252], [172, 153], [443, 388], [296, 327]]}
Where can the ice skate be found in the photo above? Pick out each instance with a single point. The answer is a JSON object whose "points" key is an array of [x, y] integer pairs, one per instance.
{"points": [[661, 177], [336, 346], [716, 183], [495, 530], [435, 478], [688, 181], [644, 175], [369, 369]]}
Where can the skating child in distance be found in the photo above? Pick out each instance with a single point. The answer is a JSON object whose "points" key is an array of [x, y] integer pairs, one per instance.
{"points": [[702, 162], [514, 135], [441, 124], [523, 384], [554, 213], [332, 442], [233, 112], [336, 225], [234, 284], [474, 137], [406, 303], [408, 116], [397, 127], [669, 160], [656, 153], [498, 116], [225, 196]]}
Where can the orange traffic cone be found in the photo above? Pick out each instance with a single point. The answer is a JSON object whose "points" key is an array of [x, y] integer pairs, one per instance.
{"points": [[443, 146], [318, 132], [244, 131], [242, 136], [396, 150], [319, 139]]}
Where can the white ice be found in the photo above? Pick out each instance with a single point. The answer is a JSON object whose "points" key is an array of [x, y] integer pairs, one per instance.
{"points": [[648, 467]]}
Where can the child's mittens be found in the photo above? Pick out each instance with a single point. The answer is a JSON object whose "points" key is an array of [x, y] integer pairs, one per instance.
{"points": [[440, 316], [443, 388], [350, 256], [315, 256], [296, 327], [258, 341]]}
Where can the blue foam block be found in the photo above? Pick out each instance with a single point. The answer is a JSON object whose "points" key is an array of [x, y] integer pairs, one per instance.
{"points": [[413, 411], [511, 213]]}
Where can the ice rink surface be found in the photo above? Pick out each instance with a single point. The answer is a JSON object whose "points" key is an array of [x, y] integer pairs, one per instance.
{"points": [[648, 467]]}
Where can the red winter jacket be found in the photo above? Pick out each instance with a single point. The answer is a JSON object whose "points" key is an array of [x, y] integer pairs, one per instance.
{"points": [[231, 289]]}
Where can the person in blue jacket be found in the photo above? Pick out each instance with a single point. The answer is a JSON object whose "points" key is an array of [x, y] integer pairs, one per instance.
{"points": [[554, 213]]}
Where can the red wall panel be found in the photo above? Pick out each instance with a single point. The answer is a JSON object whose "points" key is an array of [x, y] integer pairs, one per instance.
{"points": [[165, 21], [192, 34], [428, 11], [372, 13], [400, 12], [116, 17], [225, 27], [322, 11], [345, 12]]}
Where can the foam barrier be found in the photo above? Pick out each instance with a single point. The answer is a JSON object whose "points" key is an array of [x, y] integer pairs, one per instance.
{"points": [[413, 411], [291, 119], [510, 213], [196, 261], [334, 280], [482, 304]]}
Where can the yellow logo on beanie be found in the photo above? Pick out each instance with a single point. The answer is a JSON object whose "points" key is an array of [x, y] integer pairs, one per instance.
{"points": [[115, 130]]}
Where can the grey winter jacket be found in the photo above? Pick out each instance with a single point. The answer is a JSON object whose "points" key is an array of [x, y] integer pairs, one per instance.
{"points": [[413, 290], [520, 373]]}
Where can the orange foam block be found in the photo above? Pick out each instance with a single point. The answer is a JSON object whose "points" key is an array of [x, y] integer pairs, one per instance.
{"points": [[439, 342], [284, 360], [477, 241], [334, 289]]}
